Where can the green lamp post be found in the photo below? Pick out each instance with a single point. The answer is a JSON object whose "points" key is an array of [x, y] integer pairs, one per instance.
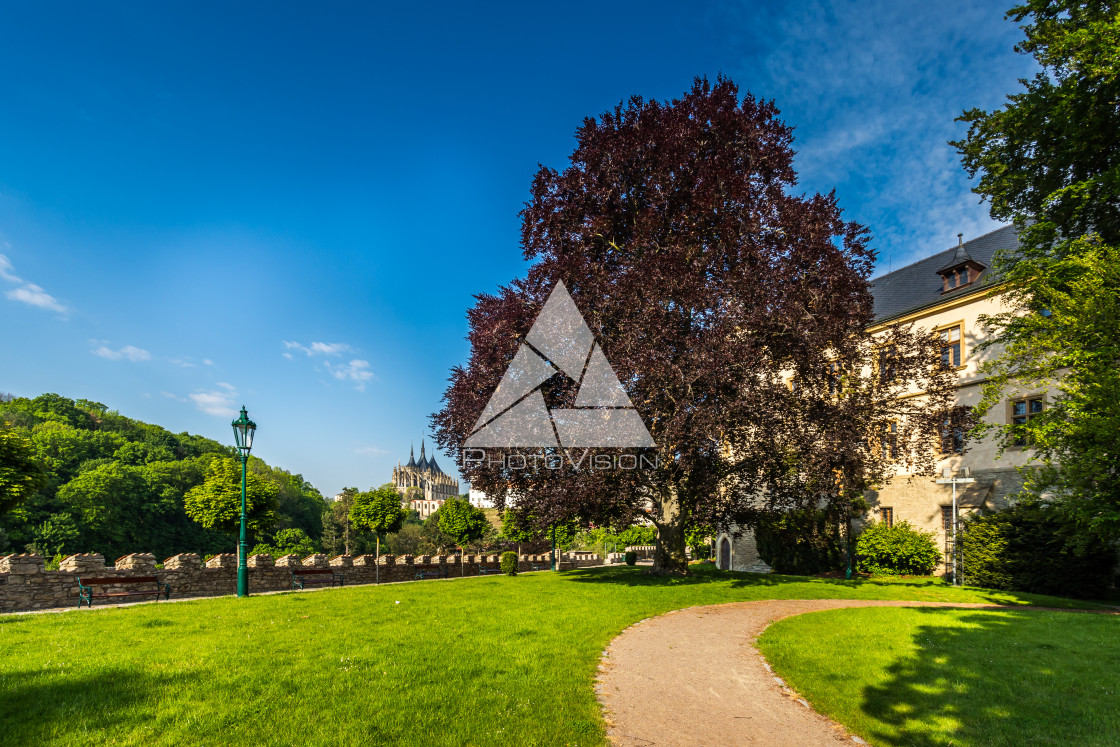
{"points": [[243, 430]]}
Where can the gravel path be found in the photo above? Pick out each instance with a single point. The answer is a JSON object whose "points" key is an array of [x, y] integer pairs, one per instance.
{"points": [[694, 677]]}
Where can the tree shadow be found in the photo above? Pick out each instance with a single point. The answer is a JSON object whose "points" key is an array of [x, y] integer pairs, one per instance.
{"points": [[996, 678], [636, 576], [48, 706], [632, 576]]}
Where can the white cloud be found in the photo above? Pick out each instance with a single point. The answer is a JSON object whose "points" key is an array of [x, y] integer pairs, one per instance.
{"points": [[207, 362], [180, 362], [319, 348], [287, 355], [222, 403], [33, 295], [6, 269], [128, 352], [175, 397], [370, 451], [355, 371], [227, 387], [873, 88], [28, 293]]}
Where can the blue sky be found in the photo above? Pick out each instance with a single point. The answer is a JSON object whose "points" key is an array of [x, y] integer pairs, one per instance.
{"points": [[291, 205]]}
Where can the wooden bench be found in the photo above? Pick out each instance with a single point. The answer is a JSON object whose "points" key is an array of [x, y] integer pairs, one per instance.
{"points": [[87, 595], [485, 571], [430, 571], [304, 577]]}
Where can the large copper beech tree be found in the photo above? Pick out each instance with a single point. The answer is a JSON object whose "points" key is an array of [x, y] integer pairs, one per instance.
{"points": [[732, 310]]}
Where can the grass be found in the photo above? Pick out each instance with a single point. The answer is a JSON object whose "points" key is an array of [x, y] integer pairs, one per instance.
{"points": [[916, 676], [484, 661]]}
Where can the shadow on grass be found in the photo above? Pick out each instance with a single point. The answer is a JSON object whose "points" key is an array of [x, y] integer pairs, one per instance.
{"points": [[703, 574], [47, 706], [1001, 678], [637, 576]]}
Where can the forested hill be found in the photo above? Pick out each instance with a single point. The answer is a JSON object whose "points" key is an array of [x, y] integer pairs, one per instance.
{"points": [[116, 485]]}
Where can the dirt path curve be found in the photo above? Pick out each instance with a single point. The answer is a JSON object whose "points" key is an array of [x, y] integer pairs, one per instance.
{"points": [[694, 677]]}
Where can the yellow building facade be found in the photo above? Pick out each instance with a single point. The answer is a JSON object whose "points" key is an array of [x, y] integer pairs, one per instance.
{"points": [[946, 294]]}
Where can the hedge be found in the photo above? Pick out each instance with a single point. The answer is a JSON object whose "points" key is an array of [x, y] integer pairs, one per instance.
{"points": [[1035, 546], [802, 542]]}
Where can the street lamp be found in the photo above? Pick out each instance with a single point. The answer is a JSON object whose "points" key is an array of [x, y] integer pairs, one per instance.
{"points": [[949, 479], [243, 430]]}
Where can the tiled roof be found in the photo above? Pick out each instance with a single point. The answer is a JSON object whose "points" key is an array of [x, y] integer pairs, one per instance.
{"points": [[915, 286]]}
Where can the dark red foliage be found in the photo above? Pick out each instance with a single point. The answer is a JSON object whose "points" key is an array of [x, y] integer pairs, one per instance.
{"points": [[707, 281]]}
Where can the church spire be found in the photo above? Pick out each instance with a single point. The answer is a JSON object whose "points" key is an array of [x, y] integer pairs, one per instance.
{"points": [[411, 456]]}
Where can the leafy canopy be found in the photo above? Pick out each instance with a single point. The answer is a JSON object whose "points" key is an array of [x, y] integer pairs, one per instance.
{"points": [[378, 511], [1049, 160], [673, 227], [216, 503], [20, 472], [463, 522]]}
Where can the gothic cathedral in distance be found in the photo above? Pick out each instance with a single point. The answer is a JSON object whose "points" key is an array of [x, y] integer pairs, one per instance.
{"points": [[423, 485]]}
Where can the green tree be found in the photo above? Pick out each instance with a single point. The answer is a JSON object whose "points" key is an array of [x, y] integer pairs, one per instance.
{"points": [[287, 542], [56, 536], [21, 474], [432, 538], [378, 511], [462, 522], [1049, 160], [216, 503]]}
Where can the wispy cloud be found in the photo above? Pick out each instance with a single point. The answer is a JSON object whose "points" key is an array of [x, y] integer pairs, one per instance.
{"points": [[356, 371], [6, 270], [175, 397], [221, 401], [318, 348], [128, 352], [28, 293], [370, 451], [873, 88]]}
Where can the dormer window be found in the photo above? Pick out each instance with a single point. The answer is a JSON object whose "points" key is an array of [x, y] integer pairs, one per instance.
{"points": [[961, 269], [958, 277]]}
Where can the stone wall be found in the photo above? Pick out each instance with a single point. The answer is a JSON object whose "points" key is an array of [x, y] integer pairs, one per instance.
{"points": [[26, 585]]}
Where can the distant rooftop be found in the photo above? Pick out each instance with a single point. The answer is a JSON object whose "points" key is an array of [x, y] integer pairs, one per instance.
{"points": [[918, 285]]}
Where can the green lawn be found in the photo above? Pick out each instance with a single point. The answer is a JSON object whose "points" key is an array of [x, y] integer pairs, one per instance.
{"points": [[916, 676], [484, 661]]}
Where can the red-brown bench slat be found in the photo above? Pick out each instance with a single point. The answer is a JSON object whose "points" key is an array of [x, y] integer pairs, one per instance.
{"points": [[86, 594], [328, 576]]}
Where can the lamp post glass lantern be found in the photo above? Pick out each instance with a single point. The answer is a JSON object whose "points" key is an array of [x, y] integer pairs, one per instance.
{"points": [[243, 432]]}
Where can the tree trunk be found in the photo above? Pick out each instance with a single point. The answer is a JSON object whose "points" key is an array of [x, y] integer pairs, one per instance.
{"points": [[669, 556]]}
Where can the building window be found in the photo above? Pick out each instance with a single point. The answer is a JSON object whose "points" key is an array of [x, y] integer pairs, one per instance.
{"points": [[835, 383], [956, 278], [951, 347], [889, 441], [947, 520], [954, 427], [1022, 411], [887, 365], [886, 515]]}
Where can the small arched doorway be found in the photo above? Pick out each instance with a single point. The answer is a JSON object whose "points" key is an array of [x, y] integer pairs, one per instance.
{"points": [[724, 554]]}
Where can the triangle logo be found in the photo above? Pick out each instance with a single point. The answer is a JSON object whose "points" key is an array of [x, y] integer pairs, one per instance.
{"points": [[559, 342]]}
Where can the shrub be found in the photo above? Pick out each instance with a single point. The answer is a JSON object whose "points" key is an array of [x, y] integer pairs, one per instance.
{"points": [[631, 557], [802, 542], [509, 563], [1036, 547], [901, 550]]}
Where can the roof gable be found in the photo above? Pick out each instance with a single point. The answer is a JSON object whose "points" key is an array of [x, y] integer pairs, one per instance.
{"points": [[919, 284]]}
